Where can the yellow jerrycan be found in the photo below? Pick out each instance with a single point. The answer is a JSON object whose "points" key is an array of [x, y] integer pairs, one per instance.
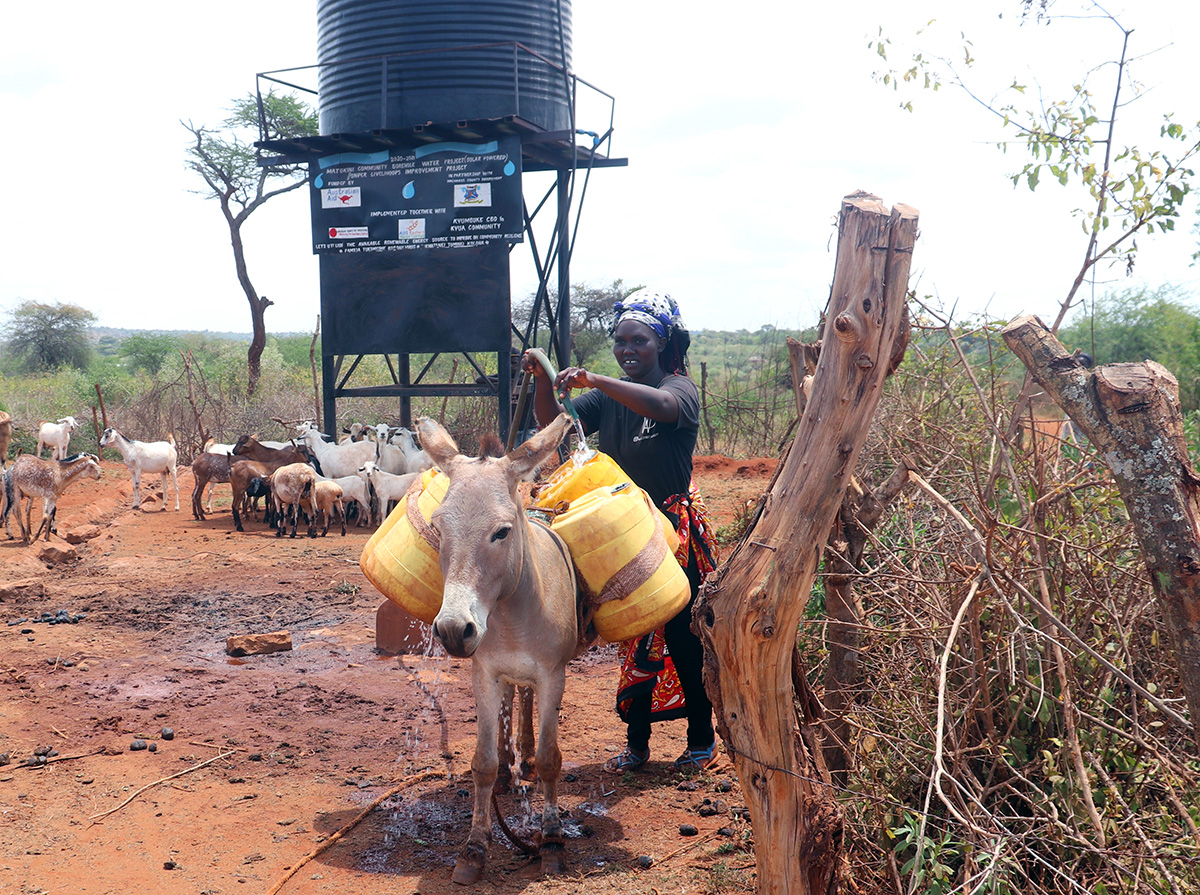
{"points": [[618, 542], [584, 472], [399, 558]]}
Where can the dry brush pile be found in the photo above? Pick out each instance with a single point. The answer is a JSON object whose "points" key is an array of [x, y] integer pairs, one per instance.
{"points": [[1016, 721]]}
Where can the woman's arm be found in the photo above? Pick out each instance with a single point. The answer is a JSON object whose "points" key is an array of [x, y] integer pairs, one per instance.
{"points": [[645, 400]]}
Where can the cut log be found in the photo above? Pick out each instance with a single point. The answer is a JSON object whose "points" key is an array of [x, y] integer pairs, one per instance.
{"points": [[749, 611], [1131, 414]]}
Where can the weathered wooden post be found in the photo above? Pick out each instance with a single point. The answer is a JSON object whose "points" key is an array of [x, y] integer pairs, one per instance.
{"points": [[1131, 414], [749, 612]]}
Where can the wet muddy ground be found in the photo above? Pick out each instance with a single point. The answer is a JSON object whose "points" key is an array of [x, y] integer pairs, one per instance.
{"points": [[254, 765]]}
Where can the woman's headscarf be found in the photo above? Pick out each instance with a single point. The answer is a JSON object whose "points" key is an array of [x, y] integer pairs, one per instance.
{"points": [[660, 312]]}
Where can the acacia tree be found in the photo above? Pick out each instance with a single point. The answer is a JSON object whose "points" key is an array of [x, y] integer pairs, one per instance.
{"points": [[44, 336], [228, 162], [1128, 188], [591, 317]]}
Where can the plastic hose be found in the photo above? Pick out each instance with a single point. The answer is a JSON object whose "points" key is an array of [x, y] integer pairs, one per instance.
{"points": [[540, 356]]}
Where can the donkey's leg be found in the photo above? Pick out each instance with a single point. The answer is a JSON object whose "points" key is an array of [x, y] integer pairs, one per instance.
{"points": [[525, 739], [488, 694], [504, 742], [549, 764]]}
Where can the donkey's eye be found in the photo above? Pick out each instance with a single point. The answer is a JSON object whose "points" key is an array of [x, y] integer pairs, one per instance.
{"points": [[501, 533]]}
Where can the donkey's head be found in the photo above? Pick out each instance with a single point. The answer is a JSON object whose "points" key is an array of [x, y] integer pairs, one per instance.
{"points": [[484, 549]]}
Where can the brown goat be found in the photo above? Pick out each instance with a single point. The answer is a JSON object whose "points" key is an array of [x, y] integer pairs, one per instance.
{"points": [[262, 461], [206, 470], [324, 501], [5, 436], [290, 486], [48, 479]]}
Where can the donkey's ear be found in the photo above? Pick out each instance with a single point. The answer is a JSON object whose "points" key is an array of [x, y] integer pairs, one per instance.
{"points": [[438, 443], [528, 456]]}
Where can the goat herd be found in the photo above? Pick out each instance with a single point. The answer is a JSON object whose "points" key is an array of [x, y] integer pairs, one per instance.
{"points": [[308, 476]]}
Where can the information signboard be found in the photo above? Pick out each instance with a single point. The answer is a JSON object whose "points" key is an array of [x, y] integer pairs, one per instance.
{"points": [[438, 195]]}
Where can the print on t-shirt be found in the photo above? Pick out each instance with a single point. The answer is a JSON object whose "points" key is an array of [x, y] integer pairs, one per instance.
{"points": [[647, 430]]}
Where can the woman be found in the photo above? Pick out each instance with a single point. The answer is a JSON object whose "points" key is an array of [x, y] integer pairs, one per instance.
{"points": [[648, 421]]}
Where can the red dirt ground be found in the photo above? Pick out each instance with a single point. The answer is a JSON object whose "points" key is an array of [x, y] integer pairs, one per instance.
{"points": [[272, 755]]}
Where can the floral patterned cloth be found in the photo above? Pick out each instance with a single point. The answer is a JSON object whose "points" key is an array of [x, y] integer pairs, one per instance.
{"points": [[645, 663]]}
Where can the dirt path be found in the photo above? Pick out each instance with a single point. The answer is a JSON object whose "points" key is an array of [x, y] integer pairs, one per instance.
{"points": [[272, 755]]}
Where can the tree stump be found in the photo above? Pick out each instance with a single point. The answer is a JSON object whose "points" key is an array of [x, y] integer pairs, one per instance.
{"points": [[1131, 414], [749, 611]]}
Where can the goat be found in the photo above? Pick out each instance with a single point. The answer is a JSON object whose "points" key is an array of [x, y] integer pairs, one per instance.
{"points": [[353, 432], [208, 469], [6, 499], [56, 436], [48, 479], [324, 500], [145, 457], [211, 446], [289, 486], [387, 487], [259, 487], [336, 460], [243, 476], [5, 437], [355, 489], [388, 457], [266, 460], [415, 459]]}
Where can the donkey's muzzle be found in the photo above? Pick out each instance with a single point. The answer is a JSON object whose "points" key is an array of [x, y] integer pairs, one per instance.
{"points": [[459, 637]]}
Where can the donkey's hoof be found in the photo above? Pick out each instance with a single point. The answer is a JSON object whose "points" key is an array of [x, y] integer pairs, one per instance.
{"points": [[551, 853], [469, 867], [467, 871]]}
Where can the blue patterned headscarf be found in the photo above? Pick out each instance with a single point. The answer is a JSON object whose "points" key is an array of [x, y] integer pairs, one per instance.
{"points": [[655, 309], [660, 312]]}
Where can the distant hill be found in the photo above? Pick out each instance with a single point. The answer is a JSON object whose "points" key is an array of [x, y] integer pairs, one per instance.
{"points": [[99, 333]]}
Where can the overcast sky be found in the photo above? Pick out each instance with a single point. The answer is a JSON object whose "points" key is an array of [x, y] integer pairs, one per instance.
{"points": [[743, 125]]}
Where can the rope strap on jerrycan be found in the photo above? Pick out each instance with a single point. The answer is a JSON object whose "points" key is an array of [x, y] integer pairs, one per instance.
{"points": [[638, 570], [412, 511]]}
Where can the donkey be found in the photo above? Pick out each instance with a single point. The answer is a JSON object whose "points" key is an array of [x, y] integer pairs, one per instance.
{"points": [[509, 605]]}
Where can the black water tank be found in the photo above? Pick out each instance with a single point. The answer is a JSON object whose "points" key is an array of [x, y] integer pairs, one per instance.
{"points": [[412, 66]]}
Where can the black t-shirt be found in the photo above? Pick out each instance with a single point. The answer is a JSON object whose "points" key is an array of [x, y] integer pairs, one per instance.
{"points": [[657, 456]]}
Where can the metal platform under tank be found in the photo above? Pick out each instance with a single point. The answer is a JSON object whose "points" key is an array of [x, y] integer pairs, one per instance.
{"points": [[542, 150]]}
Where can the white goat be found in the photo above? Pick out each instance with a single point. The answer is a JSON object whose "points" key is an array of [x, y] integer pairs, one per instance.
{"points": [[48, 479], [336, 460], [415, 459], [145, 457], [388, 488], [56, 437], [388, 457]]}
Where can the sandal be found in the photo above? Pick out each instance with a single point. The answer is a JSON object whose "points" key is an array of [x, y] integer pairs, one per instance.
{"points": [[697, 759], [629, 760]]}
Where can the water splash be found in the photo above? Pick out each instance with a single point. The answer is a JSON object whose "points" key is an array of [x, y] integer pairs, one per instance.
{"points": [[582, 452]]}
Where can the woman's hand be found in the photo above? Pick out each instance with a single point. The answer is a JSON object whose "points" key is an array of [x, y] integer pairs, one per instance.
{"points": [[572, 377], [530, 364]]}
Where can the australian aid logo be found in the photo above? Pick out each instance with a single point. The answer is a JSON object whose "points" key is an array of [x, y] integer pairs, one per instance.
{"points": [[345, 197]]}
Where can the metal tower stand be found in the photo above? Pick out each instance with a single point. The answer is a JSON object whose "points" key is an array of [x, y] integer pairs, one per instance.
{"points": [[541, 151]]}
